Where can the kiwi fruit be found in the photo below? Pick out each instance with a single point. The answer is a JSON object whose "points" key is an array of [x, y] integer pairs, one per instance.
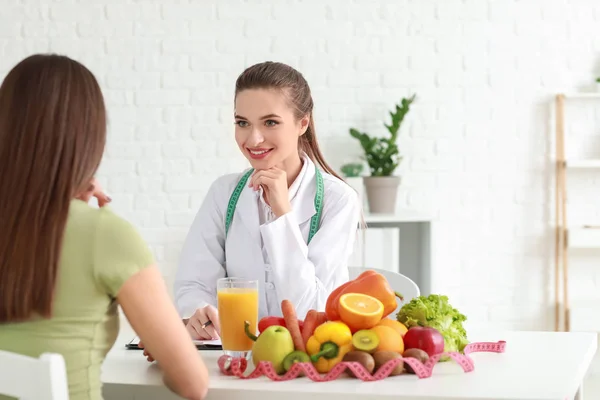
{"points": [[414, 353], [365, 359], [383, 356], [294, 357], [365, 340]]}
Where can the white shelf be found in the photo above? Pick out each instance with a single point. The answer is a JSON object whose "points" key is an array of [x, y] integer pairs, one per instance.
{"points": [[582, 95], [590, 163], [584, 316], [402, 215], [584, 238]]}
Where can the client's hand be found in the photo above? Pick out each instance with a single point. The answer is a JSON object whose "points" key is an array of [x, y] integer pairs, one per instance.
{"points": [[95, 190], [196, 324], [146, 353]]}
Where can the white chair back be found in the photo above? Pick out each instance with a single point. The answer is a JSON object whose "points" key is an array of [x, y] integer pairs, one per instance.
{"points": [[400, 283], [29, 378]]}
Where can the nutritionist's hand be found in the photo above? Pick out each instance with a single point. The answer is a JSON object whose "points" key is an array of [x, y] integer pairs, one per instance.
{"points": [[197, 325], [275, 185]]}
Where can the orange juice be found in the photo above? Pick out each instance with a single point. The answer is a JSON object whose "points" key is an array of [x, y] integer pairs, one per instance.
{"points": [[237, 305]]}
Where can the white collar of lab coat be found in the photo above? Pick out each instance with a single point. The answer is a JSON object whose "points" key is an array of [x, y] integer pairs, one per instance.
{"points": [[304, 190], [302, 196]]}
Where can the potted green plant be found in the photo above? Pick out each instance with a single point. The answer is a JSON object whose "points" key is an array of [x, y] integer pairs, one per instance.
{"points": [[352, 170], [383, 157], [598, 84], [352, 175]]}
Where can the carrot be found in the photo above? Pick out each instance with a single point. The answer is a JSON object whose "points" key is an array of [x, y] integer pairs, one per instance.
{"points": [[321, 318], [310, 323], [291, 322]]}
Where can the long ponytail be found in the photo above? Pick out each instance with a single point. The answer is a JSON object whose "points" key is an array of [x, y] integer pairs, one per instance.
{"points": [[310, 145]]}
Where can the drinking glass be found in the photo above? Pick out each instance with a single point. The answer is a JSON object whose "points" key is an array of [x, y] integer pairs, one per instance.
{"points": [[237, 302]]}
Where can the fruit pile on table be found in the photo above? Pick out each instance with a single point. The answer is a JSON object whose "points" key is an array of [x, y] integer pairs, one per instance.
{"points": [[357, 326]]}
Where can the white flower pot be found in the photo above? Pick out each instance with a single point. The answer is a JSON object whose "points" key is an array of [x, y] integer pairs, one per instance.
{"points": [[382, 192], [598, 86]]}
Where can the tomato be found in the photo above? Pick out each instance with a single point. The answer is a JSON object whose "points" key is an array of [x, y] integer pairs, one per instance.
{"points": [[266, 322]]}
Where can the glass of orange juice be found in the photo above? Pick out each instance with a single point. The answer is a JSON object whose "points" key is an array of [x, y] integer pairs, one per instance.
{"points": [[237, 302]]}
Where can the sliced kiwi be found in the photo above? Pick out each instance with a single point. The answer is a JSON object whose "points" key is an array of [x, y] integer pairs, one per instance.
{"points": [[362, 357], [294, 357], [365, 340]]}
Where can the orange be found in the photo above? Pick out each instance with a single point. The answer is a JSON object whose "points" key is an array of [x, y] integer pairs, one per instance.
{"points": [[360, 311], [389, 339], [396, 325]]}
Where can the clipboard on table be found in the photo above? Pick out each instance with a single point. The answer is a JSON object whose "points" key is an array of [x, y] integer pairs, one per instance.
{"points": [[200, 344]]}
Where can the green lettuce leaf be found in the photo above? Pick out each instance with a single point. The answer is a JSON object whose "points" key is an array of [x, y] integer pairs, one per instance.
{"points": [[435, 311]]}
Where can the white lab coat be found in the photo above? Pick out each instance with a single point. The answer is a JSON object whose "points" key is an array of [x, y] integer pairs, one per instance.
{"points": [[306, 275]]}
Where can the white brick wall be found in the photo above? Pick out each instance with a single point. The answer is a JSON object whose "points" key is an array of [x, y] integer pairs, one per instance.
{"points": [[475, 144]]}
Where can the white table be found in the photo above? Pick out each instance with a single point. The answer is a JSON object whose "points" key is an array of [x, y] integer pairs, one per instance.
{"points": [[535, 365], [414, 246]]}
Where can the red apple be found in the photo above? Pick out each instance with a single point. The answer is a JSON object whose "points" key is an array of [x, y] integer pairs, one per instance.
{"points": [[430, 340]]}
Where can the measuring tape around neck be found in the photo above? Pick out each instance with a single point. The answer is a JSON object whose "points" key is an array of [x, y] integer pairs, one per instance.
{"points": [[314, 221]]}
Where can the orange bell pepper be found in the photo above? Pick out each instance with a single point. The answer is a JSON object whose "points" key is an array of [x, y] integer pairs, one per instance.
{"points": [[331, 306], [369, 282]]}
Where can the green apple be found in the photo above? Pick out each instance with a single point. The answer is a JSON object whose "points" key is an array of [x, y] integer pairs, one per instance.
{"points": [[273, 345]]}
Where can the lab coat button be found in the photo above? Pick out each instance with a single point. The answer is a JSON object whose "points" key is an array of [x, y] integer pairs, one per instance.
{"points": [[270, 285]]}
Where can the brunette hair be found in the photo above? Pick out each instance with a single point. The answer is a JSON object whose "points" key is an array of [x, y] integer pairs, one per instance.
{"points": [[275, 75], [52, 136]]}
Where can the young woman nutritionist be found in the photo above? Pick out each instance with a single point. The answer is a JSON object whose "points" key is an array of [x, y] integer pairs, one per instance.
{"points": [[289, 222]]}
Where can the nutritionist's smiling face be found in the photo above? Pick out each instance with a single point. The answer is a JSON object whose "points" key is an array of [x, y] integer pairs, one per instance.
{"points": [[266, 129]]}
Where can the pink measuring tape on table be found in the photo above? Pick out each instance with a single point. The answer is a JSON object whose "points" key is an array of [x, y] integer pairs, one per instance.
{"points": [[237, 366]]}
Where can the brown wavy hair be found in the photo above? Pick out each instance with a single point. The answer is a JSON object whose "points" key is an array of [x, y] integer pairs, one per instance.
{"points": [[275, 75], [52, 137]]}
